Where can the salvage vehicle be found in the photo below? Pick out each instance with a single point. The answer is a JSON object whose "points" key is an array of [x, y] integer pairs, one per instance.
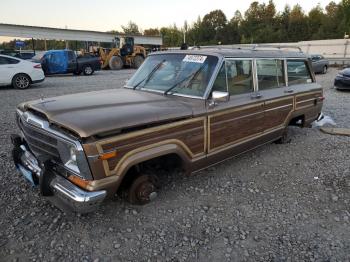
{"points": [[195, 108], [66, 61], [342, 80], [19, 73]]}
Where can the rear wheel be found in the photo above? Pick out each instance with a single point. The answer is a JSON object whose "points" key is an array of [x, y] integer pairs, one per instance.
{"points": [[87, 70], [116, 63], [143, 189], [138, 60], [21, 81], [285, 138]]}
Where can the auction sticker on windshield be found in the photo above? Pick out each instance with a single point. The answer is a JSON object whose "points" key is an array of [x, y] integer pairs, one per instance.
{"points": [[195, 59]]}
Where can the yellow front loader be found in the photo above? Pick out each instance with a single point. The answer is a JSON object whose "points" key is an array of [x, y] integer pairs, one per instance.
{"points": [[127, 54]]}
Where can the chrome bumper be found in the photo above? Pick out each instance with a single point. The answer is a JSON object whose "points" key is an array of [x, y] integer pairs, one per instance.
{"points": [[72, 197], [75, 198]]}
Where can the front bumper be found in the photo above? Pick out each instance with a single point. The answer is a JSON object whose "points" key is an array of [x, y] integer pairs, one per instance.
{"points": [[61, 191]]}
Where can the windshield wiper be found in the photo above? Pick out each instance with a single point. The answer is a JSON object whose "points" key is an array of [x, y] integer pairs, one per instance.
{"points": [[190, 77], [148, 77]]}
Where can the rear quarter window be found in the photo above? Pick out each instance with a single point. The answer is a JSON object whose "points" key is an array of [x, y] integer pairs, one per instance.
{"points": [[298, 72]]}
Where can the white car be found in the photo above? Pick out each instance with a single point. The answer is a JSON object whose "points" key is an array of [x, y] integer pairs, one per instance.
{"points": [[19, 73]]}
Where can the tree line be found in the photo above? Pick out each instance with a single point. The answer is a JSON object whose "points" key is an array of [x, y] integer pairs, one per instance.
{"points": [[260, 23]]}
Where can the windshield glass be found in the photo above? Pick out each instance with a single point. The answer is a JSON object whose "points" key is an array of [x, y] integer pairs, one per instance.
{"points": [[175, 74]]}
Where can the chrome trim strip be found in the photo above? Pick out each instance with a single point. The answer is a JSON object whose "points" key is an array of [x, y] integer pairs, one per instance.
{"points": [[279, 107]]}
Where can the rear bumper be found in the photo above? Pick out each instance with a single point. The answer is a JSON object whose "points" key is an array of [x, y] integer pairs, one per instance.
{"points": [[38, 81], [61, 191]]}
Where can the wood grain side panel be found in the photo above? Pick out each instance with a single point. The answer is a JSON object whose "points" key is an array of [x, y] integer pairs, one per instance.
{"points": [[306, 96], [277, 111], [234, 125], [190, 134]]}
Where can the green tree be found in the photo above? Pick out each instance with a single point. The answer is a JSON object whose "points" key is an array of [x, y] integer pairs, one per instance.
{"points": [[151, 32], [131, 28]]}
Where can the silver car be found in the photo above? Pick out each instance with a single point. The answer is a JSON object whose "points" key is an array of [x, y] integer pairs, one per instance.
{"points": [[319, 64]]}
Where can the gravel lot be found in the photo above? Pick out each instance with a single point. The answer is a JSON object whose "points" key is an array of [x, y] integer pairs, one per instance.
{"points": [[277, 203]]}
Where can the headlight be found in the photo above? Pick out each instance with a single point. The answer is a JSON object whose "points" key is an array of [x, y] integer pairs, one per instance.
{"points": [[73, 158], [340, 75], [72, 161]]}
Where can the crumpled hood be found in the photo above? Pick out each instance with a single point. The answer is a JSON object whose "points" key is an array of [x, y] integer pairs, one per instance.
{"points": [[93, 113]]}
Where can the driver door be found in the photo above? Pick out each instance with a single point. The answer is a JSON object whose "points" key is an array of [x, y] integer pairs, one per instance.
{"points": [[238, 121]]}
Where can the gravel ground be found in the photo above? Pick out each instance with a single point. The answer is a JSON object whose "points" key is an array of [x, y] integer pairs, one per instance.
{"points": [[277, 203]]}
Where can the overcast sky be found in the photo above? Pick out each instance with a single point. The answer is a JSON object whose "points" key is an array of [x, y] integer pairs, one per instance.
{"points": [[103, 15]]}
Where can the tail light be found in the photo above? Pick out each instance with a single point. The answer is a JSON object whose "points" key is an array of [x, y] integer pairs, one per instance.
{"points": [[38, 66]]}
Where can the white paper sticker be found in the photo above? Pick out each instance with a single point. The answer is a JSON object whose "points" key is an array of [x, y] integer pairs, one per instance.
{"points": [[194, 59]]}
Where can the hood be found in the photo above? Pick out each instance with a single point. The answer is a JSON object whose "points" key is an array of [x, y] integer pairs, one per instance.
{"points": [[93, 113]]}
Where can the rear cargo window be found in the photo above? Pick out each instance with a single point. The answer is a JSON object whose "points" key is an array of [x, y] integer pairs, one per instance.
{"points": [[298, 72], [270, 73]]}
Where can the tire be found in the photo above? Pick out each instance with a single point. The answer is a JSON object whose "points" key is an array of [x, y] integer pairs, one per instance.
{"points": [[142, 190], [285, 138], [87, 70], [21, 81], [138, 60], [77, 73], [116, 63], [324, 70]]}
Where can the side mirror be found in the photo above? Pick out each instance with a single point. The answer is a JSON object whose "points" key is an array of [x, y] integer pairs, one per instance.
{"points": [[218, 96]]}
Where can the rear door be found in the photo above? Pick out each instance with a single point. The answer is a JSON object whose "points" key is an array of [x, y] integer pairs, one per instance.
{"points": [[7, 70], [271, 85]]}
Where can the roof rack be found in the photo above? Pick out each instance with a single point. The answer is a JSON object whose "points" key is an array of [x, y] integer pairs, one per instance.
{"points": [[250, 47], [277, 46]]}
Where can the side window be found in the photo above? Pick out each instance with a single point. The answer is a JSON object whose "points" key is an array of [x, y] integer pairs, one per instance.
{"points": [[220, 81], [270, 73], [298, 72], [8, 61], [239, 76], [3, 61], [70, 55], [12, 61]]}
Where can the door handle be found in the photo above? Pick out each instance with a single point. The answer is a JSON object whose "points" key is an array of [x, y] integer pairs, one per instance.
{"points": [[289, 91]]}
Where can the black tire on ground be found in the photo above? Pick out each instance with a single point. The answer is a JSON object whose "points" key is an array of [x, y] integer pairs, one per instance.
{"points": [[142, 190], [21, 81], [87, 70], [324, 70], [138, 60], [285, 139], [116, 63]]}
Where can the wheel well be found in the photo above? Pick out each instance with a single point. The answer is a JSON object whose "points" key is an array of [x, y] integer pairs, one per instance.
{"points": [[30, 79], [297, 121], [151, 166]]}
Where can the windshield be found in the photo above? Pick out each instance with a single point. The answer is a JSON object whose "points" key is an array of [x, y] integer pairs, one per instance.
{"points": [[175, 74]]}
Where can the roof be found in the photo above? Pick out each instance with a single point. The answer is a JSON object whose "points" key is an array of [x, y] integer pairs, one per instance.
{"points": [[241, 52]]}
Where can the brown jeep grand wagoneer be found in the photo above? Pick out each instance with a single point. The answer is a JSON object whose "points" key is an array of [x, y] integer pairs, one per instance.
{"points": [[199, 107]]}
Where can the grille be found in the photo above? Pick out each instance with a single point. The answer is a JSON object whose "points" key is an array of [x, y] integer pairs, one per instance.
{"points": [[39, 142]]}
